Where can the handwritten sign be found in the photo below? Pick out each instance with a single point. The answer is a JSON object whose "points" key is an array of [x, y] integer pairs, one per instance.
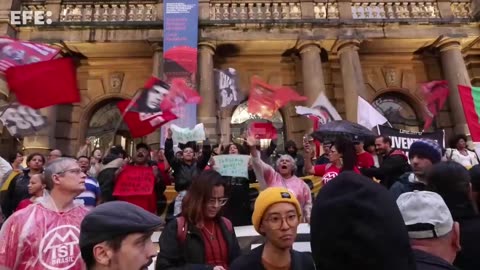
{"points": [[184, 135], [232, 165], [134, 181]]}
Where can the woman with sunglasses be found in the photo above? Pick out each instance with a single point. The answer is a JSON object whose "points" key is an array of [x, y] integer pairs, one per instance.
{"points": [[200, 238]]}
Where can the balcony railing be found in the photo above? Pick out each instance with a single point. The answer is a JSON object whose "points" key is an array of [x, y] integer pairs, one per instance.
{"points": [[245, 11]]}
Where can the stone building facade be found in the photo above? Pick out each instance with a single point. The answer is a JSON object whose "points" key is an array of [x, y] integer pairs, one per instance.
{"points": [[379, 49]]}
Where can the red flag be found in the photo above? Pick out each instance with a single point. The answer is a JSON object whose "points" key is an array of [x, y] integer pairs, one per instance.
{"points": [[266, 99], [16, 53], [45, 83], [179, 93], [262, 130], [142, 124], [435, 95]]}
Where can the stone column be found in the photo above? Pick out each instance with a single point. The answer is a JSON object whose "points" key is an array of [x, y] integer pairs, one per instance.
{"points": [[455, 72], [44, 140], [153, 139], [207, 110], [313, 83], [352, 77]]}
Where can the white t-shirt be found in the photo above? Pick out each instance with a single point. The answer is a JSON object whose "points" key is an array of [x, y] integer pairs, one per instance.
{"points": [[468, 160]]}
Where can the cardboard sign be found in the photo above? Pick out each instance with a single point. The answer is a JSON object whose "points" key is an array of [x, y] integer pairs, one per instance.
{"points": [[184, 135], [134, 181], [232, 165]]}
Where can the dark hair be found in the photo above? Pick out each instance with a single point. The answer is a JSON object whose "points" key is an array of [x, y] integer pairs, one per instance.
{"points": [[367, 143], [142, 145], [87, 251], [199, 193], [349, 156], [78, 158], [32, 155], [240, 148], [12, 157], [452, 181], [385, 139], [475, 177], [454, 140]]}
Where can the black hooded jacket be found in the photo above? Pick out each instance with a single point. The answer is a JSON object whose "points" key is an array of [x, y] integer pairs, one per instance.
{"points": [[394, 164], [182, 172], [356, 224]]}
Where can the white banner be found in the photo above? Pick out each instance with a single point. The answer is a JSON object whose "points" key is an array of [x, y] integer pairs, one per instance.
{"points": [[232, 165], [184, 135]]}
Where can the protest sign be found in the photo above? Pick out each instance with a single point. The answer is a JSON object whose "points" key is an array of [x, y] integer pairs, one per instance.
{"points": [[184, 135], [403, 139], [232, 165], [134, 181]]}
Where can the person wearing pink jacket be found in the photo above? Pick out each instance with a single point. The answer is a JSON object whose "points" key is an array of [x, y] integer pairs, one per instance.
{"points": [[283, 176]]}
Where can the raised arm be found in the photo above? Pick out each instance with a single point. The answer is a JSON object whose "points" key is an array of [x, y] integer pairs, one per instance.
{"points": [[206, 154], [308, 169], [169, 154], [263, 172]]}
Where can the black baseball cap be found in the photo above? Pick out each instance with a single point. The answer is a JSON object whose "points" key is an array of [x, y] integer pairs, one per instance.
{"points": [[113, 219]]}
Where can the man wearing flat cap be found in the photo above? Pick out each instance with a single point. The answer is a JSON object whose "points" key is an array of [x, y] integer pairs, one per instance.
{"points": [[117, 235]]}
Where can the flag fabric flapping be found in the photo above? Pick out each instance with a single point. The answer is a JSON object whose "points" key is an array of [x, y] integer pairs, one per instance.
{"points": [[45, 83]]}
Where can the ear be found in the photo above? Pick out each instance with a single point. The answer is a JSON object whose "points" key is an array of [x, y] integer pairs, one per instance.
{"points": [[102, 254], [456, 236], [55, 179]]}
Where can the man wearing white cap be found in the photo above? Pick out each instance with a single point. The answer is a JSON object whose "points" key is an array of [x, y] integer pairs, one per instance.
{"points": [[434, 236]]}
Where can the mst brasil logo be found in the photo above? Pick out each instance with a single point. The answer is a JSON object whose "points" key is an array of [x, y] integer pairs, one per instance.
{"points": [[59, 248]]}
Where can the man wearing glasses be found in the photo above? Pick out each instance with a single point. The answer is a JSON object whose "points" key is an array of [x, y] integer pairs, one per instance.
{"points": [[45, 235], [276, 216]]}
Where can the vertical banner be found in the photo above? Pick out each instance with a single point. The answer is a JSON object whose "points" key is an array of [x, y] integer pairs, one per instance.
{"points": [[180, 39]]}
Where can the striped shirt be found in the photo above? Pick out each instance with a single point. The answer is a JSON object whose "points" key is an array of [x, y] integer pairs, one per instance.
{"points": [[91, 193]]}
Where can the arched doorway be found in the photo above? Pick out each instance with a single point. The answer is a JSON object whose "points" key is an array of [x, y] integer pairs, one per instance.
{"points": [[398, 111], [102, 125], [241, 118]]}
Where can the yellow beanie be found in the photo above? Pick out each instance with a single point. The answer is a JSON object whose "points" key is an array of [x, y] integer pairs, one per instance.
{"points": [[269, 197]]}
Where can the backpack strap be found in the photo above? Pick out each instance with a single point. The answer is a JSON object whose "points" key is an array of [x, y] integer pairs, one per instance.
{"points": [[181, 230]]}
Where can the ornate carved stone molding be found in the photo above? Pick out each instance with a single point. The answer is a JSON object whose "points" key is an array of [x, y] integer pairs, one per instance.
{"points": [[341, 44], [207, 45], [308, 46]]}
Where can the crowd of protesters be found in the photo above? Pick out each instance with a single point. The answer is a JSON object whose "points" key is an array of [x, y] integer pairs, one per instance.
{"points": [[378, 208]]}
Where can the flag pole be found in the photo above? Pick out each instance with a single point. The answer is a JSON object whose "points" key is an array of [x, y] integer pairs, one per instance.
{"points": [[119, 123]]}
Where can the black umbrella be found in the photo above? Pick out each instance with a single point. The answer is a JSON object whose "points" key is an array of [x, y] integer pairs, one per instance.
{"points": [[342, 128]]}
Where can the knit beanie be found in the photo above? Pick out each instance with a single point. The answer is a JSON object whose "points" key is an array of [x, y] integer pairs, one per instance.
{"points": [[269, 197], [356, 224], [426, 148]]}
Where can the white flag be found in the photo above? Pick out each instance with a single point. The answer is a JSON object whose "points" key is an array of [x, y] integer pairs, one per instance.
{"points": [[325, 109], [368, 116]]}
